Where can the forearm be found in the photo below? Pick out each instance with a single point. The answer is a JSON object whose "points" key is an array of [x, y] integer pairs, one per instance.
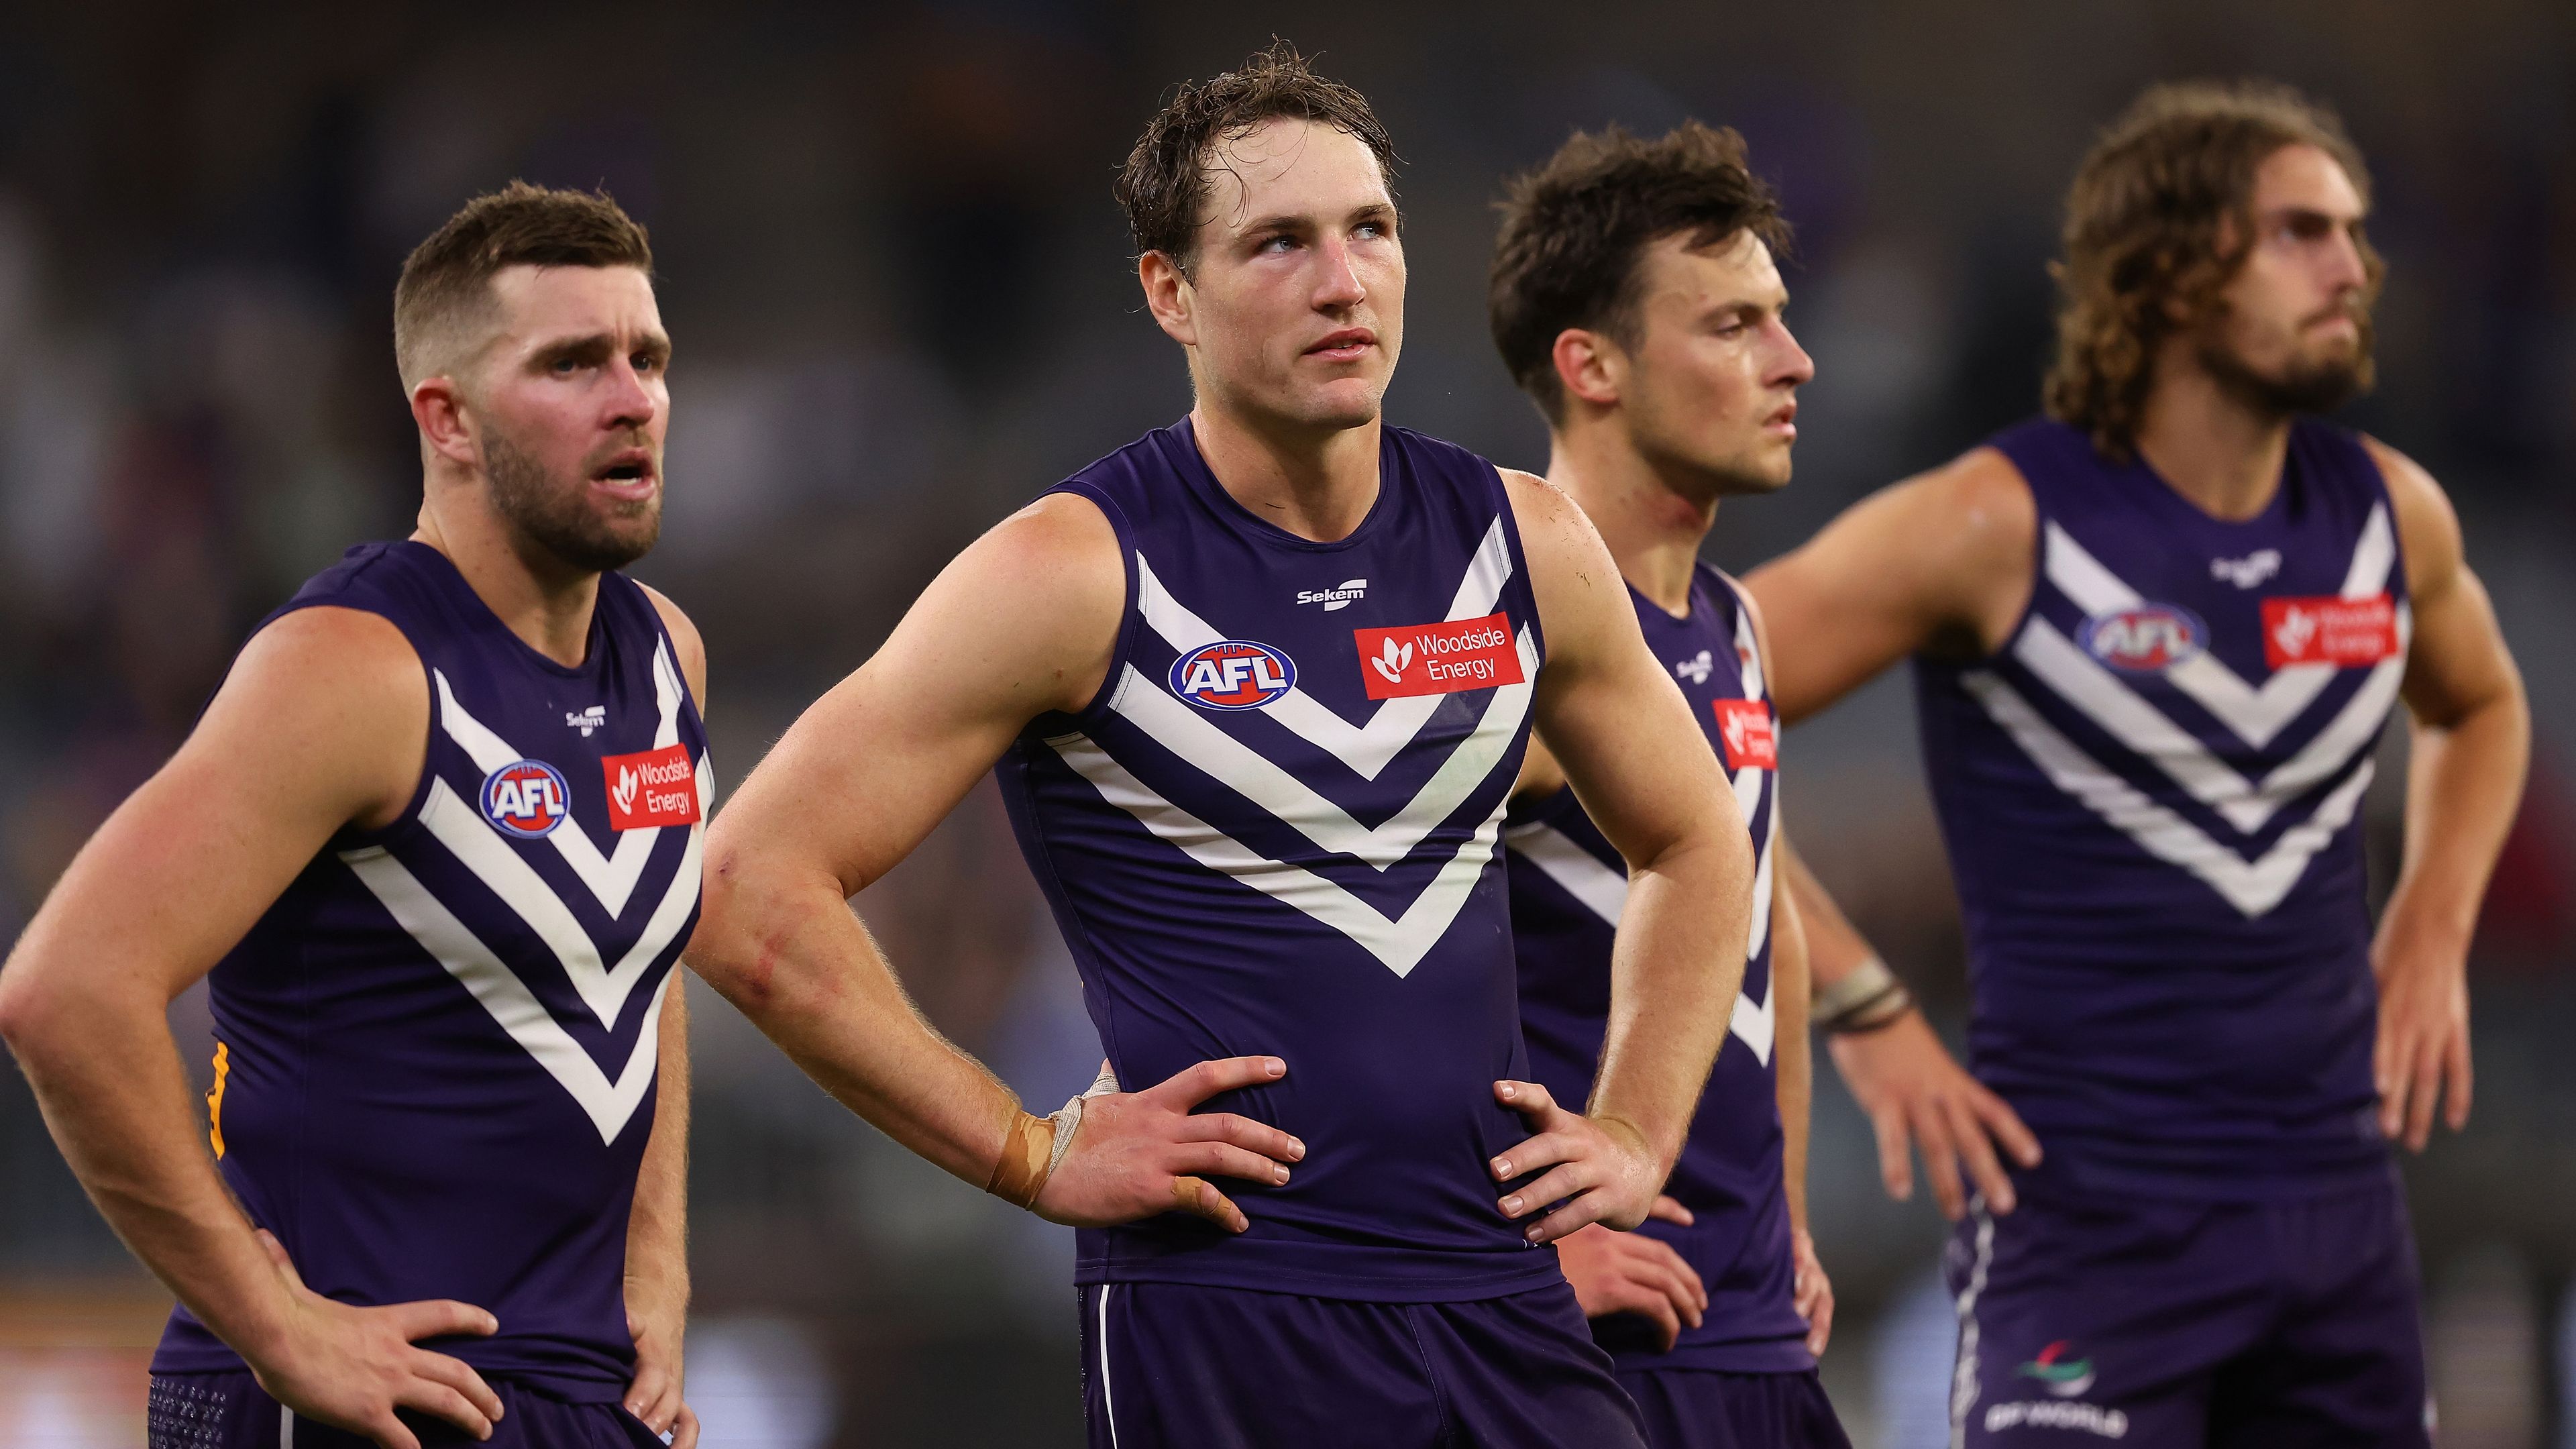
{"points": [[2464, 783], [1795, 1056], [657, 1231], [1675, 970], [107, 1076], [790, 955]]}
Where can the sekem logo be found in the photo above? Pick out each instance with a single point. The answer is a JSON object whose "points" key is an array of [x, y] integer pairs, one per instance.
{"points": [[653, 787], [2339, 632], [1337, 598], [2147, 638], [527, 798], [1233, 674], [1438, 658], [1697, 668]]}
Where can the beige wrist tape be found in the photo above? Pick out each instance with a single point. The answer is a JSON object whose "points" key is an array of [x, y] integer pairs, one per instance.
{"points": [[1034, 1147], [1870, 996]]}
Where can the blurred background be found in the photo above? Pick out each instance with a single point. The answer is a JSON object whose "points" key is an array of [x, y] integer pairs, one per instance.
{"points": [[903, 304]]}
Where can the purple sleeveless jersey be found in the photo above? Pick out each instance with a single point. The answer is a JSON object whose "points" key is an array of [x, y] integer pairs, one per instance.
{"points": [[2150, 801], [435, 1072], [1567, 888], [1274, 832]]}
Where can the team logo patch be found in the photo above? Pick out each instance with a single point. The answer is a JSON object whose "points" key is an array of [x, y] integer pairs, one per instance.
{"points": [[2340, 632], [654, 787], [1337, 598], [1745, 729], [2061, 1375], [1696, 669], [1233, 674], [2147, 638], [1438, 658], [527, 798]]}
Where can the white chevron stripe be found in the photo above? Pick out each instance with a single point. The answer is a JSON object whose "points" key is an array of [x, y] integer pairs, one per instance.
{"points": [[473, 841], [2256, 715], [611, 878], [2253, 887], [1604, 892], [609, 1104], [1400, 943], [1365, 748], [1188, 733], [2126, 716], [1748, 650]]}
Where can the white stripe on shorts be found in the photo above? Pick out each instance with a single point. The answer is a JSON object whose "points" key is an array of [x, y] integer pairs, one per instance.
{"points": [[1108, 1412]]}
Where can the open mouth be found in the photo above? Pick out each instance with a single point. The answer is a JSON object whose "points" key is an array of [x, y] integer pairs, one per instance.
{"points": [[629, 474]]}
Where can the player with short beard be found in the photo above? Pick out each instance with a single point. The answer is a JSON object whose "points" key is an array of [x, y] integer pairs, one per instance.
{"points": [[2157, 636], [1268, 830], [435, 845], [1635, 297]]}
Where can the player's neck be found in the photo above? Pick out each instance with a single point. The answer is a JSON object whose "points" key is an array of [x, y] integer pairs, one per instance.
{"points": [[2210, 446], [546, 605], [1318, 484], [1654, 531]]}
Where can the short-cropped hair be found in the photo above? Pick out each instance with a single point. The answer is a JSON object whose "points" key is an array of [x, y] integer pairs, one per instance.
{"points": [[1165, 185], [446, 283], [2146, 235], [1575, 229]]}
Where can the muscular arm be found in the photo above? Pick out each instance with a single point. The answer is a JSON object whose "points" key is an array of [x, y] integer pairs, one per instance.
{"points": [[2471, 746], [657, 1232], [1023, 622], [1619, 728], [322, 722], [1939, 563]]}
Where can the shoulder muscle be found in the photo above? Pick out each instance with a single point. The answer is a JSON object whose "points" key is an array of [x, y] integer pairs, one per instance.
{"points": [[685, 639]]}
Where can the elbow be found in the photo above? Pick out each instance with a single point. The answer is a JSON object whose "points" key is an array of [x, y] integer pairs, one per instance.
{"points": [[25, 1013]]}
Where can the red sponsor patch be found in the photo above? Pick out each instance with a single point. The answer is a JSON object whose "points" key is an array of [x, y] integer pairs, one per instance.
{"points": [[654, 787], [1745, 729], [2340, 632], [1438, 658]]}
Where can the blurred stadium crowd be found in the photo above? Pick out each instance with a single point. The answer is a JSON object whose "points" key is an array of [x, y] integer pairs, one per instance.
{"points": [[902, 306]]}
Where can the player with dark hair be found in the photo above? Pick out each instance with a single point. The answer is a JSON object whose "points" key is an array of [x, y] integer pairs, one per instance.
{"points": [[2157, 636], [435, 842], [1636, 298], [1258, 685]]}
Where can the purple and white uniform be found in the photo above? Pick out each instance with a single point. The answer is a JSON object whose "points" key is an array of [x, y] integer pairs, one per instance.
{"points": [[436, 1052], [1274, 831], [1567, 888], [2150, 797]]}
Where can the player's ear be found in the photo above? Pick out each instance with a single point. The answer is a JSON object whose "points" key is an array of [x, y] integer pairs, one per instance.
{"points": [[1169, 296], [1587, 366], [438, 407]]}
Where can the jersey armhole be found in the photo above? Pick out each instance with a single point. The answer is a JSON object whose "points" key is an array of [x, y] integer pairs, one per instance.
{"points": [[1130, 616], [2030, 584], [350, 837], [1520, 557]]}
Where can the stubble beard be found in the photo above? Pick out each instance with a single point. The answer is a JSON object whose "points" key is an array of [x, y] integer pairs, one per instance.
{"points": [[556, 514]]}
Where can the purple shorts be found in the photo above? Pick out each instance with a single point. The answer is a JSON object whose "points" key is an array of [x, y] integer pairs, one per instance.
{"points": [[1179, 1366], [1688, 1408], [231, 1411], [2189, 1325]]}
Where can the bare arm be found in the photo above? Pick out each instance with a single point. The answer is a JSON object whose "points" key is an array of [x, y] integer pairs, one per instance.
{"points": [[1940, 563], [2472, 745], [657, 1232], [1618, 726], [322, 722], [1023, 622]]}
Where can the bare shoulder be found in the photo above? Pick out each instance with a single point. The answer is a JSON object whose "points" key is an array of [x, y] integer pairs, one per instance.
{"points": [[1567, 558], [1976, 508], [334, 696], [685, 640], [2428, 527], [1026, 618]]}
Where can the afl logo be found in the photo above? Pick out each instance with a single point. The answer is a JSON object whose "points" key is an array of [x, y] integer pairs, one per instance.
{"points": [[1233, 674], [527, 798], [2147, 638]]}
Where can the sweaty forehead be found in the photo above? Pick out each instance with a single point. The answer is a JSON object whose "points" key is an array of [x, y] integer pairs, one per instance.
{"points": [[2305, 178], [541, 304], [1290, 167], [1739, 269]]}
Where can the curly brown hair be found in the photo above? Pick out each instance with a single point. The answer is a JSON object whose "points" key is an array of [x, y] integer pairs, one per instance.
{"points": [[447, 280], [1165, 184], [2157, 223], [1574, 228]]}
